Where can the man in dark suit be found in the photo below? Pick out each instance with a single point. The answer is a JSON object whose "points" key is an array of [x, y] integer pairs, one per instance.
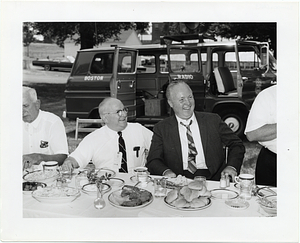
{"points": [[192, 143]]}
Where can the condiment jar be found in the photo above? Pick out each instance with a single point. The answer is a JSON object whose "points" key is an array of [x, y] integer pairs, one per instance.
{"points": [[227, 180], [223, 181]]}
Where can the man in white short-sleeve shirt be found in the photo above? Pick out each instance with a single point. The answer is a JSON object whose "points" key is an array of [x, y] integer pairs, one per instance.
{"points": [[101, 147], [262, 127], [44, 136]]}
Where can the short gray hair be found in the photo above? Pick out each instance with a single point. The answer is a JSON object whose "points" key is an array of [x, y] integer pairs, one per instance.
{"points": [[104, 105], [172, 85], [31, 93]]}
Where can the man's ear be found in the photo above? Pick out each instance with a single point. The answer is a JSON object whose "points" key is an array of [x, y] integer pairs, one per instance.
{"points": [[38, 104], [170, 103]]}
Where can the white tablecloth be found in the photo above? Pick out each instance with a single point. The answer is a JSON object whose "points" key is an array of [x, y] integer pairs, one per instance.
{"points": [[83, 206]]}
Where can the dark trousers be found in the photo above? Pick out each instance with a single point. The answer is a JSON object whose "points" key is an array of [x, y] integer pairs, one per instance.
{"points": [[266, 168], [206, 173]]}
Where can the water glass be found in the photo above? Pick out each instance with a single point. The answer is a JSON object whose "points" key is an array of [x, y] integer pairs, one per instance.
{"points": [[201, 178], [245, 182], [160, 187]]}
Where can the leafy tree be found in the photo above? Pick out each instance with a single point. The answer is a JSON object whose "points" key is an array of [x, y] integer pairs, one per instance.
{"points": [[87, 34], [28, 35], [251, 31]]}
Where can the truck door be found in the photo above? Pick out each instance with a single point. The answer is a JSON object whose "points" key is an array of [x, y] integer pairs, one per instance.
{"points": [[185, 64], [123, 80]]}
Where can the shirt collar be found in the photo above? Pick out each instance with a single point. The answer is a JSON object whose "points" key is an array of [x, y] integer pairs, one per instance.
{"points": [[36, 122], [186, 122]]}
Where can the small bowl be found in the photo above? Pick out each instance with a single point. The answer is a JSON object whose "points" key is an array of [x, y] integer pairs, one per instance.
{"points": [[29, 187], [269, 204], [91, 188]]}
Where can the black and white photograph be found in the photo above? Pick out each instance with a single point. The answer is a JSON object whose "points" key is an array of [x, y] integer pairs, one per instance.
{"points": [[149, 121]]}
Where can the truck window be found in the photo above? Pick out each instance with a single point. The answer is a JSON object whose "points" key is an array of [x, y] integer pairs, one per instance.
{"points": [[102, 63], [184, 60], [126, 63], [163, 64], [146, 64]]}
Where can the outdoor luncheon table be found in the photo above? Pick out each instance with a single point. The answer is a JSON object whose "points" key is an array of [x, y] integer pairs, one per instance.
{"points": [[83, 205]]}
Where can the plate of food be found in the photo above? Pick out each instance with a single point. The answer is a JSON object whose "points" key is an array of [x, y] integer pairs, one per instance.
{"points": [[55, 194], [223, 194], [46, 176], [91, 189], [266, 191], [130, 197], [177, 182], [29, 187], [194, 196]]}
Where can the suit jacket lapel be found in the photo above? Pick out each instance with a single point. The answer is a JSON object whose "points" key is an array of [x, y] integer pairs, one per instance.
{"points": [[203, 131], [174, 137]]}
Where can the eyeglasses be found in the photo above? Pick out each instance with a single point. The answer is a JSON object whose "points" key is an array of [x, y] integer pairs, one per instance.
{"points": [[119, 112]]}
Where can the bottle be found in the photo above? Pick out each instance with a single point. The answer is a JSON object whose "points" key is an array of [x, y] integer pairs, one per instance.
{"points": [[223, 181], [227, 180]]}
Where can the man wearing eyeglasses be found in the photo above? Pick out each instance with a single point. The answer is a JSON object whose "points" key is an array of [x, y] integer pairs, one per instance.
{"points": [[117, 145]]}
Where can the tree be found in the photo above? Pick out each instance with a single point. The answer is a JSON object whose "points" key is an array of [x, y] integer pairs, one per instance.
{"points": [[251, 31], [28, 35], [87, 34]]}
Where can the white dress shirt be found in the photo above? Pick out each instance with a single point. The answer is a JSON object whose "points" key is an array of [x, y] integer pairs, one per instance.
{"points": [[46, 135], [102, 148], [200, 159]]}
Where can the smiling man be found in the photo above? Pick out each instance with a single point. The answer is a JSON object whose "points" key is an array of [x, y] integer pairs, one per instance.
{"points": [[118, 145], [44, 135], [191, 143]]}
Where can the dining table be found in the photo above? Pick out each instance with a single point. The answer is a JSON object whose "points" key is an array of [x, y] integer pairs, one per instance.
{"points": [[83, 205]]}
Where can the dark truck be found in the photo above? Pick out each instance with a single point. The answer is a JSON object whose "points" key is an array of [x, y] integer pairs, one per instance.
{"points": [[225, 78]]}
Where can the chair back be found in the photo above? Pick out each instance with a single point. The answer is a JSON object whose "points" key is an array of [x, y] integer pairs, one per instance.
{"points": [[224, 80]]}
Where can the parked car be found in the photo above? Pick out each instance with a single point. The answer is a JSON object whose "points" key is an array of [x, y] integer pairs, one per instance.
{"points": [[65, 64]]}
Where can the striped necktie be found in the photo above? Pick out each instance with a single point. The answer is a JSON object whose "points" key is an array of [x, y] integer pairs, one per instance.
{"points": [[122, 148], [192, 149]]}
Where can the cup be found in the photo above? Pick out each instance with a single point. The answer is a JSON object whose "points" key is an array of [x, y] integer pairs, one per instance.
{"points": [[141, 174], [246, 182], [160, 188], [50, 165], [201, 178]]}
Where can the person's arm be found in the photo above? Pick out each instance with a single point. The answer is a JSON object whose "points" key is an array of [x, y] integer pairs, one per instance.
{"points": [[69, 164], [155, 160], [37, 158], [265, 133]]}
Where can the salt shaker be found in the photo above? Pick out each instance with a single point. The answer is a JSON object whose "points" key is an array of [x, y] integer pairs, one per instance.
{"points": [[227, 180], [223, 181]]}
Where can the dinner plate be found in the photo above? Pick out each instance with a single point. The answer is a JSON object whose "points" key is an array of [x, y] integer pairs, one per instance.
{"points": [[223, 194], [188, 208], [117, 194], [41, 176], [56, 195], [91, 189], [115, 182]]}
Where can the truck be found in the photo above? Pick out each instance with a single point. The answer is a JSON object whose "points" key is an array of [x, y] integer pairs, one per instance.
{"points": [[225, 77]]}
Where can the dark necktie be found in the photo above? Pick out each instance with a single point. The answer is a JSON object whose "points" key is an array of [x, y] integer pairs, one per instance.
{"points": [[122, 148], [192, 149]]}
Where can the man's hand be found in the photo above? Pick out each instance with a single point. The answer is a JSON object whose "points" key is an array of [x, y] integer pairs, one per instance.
{"points": [[69, 164], [31, 159], [169, 173], [230, 171]]}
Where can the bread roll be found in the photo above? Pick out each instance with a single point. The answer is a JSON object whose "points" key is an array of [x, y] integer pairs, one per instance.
{"points": [[171, 196], [196, 185], [186, 192], [199, 202], [180, 203]]}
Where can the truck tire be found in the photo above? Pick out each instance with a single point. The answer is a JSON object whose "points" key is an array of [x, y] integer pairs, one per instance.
{"points": [[235, 119], [47, 68]]}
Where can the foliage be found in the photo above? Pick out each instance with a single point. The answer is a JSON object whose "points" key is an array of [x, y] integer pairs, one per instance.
{"points": [[251, 31], [87, 34], [28, 33]]}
